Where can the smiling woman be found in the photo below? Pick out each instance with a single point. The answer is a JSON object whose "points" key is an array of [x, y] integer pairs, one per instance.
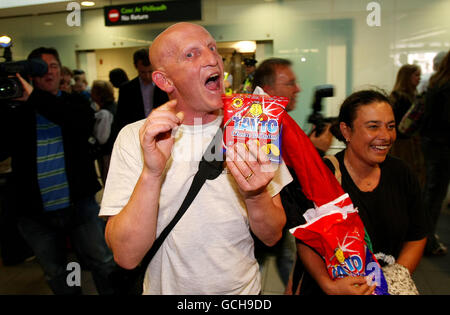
{"points": [[370, 134], [385, 191]]}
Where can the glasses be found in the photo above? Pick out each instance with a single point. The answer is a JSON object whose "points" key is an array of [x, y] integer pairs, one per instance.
{"points": [[290, 83]]}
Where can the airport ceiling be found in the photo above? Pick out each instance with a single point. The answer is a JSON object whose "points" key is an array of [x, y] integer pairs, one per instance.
{"points": [[56, 7]]}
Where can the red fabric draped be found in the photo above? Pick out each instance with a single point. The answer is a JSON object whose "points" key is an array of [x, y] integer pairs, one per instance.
{"points": [[318, 182]]}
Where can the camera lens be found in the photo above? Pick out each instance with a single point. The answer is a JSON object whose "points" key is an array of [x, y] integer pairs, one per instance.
{"points": [[7, 89], [10, 88]]}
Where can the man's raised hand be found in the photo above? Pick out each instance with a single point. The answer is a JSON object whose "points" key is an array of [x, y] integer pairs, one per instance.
{"points": [[156, 136]]}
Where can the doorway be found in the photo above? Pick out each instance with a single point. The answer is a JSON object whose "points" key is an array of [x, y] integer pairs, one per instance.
{"points": [[99, 62], [234, 53]]}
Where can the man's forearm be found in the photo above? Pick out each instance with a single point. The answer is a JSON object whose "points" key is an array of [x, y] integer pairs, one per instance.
{"points": [[131, 233], [266, 216]]}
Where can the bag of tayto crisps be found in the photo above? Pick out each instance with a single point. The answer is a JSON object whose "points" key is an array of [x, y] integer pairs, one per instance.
{"points": [[337, 233], [333, 227], [254, 117]]}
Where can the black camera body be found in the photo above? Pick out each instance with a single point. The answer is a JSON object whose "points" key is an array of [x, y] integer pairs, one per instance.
{"points": [[10, 85], [316, 118]]}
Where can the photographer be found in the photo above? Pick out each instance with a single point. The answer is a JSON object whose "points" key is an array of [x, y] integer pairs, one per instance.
{"points": [[54, 181]]}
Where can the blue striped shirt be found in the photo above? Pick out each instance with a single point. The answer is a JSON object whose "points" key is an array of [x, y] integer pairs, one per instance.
{"points": [[51, 169]]}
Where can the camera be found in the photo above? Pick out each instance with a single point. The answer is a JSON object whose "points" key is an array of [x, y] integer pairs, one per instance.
{"points": [[10, 85], [316, 118]]}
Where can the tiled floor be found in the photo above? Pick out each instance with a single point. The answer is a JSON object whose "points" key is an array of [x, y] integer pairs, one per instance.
{"points": [[432, 276], [28, 279]]}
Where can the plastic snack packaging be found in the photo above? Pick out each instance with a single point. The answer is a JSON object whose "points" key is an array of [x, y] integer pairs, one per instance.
{"points": [[333, 227], [257, 117]]}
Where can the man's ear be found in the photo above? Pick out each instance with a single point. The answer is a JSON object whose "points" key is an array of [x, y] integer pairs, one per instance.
{"points": [[162, 81], [268, 89]]}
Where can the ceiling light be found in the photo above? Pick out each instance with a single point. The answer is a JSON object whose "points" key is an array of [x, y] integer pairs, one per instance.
{"points": [[88, 3], [245, 46], [5, 41]]}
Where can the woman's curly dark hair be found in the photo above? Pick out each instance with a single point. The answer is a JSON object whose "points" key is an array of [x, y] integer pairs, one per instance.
{"points": [[347, 112]]}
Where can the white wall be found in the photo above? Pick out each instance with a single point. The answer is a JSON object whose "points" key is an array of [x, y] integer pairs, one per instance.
{"points": [[296, 27]]}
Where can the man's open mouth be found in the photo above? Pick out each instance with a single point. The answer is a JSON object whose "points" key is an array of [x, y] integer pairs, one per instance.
{"points": [[213, 82]]}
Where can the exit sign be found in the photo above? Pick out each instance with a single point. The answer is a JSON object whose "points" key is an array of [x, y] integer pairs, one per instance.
{"points": [[153, 12]]}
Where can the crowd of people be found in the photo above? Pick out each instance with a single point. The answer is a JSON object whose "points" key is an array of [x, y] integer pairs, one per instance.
{"points": [[398, 181], [53, 181], [75, 126], [432, 125]]}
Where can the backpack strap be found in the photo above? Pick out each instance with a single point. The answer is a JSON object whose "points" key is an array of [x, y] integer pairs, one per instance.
{"points": [[337, 170]]}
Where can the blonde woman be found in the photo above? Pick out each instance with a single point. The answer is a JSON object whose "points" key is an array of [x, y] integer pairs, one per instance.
{"points": [[403, 96]]}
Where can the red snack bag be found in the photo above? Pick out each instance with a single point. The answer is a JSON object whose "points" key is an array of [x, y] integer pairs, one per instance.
{"points": [[258, 117], [337, 233]]}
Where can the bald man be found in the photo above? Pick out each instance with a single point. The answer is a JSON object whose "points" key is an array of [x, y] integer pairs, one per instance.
{"points": [[210, 250]]}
